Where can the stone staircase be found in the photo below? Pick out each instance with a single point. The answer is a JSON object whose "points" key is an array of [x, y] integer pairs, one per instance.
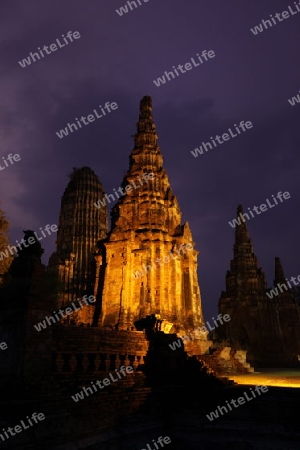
{"points": [[226, 361], [240, 356]]}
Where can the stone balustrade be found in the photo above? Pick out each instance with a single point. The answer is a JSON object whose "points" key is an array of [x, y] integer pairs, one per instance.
{"points": [[65, 363], [93, 350]]}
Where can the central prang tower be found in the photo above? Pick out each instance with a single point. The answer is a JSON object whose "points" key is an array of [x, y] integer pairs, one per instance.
{"points": [[151, 263]]}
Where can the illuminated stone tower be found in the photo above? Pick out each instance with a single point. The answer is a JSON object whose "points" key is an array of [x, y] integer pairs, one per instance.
{"points": [[151, 263], [81, 226]]}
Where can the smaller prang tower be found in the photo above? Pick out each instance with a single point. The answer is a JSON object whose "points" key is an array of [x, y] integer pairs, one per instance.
{"points": [[267, 326], [245, 280], [81, 226]]}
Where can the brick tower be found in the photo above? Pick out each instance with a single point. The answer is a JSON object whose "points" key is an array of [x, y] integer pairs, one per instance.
{"points": [[267, 326], [81, 226], [245, 286], [151, 263], [244, 277]]}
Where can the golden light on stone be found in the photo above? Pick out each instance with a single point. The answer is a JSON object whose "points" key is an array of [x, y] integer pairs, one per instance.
{"points": [[146, 231], [147, 228], [281, 378]]}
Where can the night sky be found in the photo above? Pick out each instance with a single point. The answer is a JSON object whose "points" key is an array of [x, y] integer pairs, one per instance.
{"points": [[116, 59]]}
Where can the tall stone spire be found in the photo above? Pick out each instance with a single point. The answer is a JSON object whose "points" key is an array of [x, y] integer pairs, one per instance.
{"points": [[81, 226], [146, 130], [241, 233], [279, 273], [150, 255], [284, 287], [162, 210]]}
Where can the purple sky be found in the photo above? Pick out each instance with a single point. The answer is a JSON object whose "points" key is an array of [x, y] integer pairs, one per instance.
{"points": [[116, 59]]}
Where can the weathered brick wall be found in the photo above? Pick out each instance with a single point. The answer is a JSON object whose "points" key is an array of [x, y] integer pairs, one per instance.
{"points": [[85, 350]]}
